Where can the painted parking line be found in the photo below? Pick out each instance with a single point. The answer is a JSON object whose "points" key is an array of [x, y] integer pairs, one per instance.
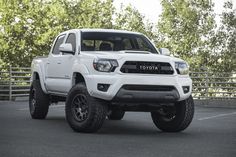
{"points": [[217, 116], [53, 106]]}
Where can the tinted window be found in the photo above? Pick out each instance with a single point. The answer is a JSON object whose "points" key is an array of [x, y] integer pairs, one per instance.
{"points": [[127, 44], [72, 39], [106, 41], [97, 45], [143, 45], [59, 41]]}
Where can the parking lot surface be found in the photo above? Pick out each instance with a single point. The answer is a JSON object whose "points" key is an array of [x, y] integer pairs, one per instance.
{"points": [[212, 134]]}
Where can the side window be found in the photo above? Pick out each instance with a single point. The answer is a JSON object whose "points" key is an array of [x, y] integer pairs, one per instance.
{"points": [[57, 44], [72, 39]]}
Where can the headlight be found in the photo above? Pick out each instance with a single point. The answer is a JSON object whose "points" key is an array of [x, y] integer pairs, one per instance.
{"points": [[105, 65], [182, 68]]}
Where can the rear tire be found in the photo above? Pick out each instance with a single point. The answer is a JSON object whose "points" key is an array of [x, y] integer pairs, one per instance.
{"points": [[116, 115], [83, 112], [38, 101], [175, 119]]}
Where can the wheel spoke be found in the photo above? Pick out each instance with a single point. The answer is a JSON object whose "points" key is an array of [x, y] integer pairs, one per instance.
{"points": [[83, 100], [167, 113], [80, 107], [76, 101]]}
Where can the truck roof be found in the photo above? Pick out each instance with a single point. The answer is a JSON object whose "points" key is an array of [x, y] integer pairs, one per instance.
{"points": [[103, 30]]}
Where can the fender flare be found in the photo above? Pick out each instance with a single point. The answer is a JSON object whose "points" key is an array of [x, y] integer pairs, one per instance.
{"points": [[38, 68], [79, 68]]}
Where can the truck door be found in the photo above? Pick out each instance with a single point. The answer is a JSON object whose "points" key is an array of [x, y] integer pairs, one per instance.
{"points": [[66, 64], [53, 66]]}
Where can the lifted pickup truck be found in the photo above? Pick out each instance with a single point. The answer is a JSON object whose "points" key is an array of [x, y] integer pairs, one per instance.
{"points": [[103, 73]]}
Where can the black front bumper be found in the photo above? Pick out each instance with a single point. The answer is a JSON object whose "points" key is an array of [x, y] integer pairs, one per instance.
{"points": [[146, 94]]}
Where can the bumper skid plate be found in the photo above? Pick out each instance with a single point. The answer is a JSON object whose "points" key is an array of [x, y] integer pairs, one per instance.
{"points": [[145, 94]]}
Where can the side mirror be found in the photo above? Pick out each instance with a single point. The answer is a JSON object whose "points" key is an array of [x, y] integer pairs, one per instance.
{"points": [[164, 51], [66, 48]]}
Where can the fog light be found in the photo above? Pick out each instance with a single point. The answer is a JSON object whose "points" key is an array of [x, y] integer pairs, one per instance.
{"points": [[103, 87], [186, 89]]}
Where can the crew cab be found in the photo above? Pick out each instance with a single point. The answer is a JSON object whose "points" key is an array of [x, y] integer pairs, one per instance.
{"points": [[102, 73]]}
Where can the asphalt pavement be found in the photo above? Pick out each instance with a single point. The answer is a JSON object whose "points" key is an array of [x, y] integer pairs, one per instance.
{"points": [[211, 134]]}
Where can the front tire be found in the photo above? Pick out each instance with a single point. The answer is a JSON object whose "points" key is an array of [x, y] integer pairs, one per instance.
{"points": [[83, 112], [116, 114], [38, 101], [174, 118]]}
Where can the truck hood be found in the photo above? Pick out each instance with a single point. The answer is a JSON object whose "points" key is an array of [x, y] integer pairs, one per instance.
{"points": [[131, 56]]}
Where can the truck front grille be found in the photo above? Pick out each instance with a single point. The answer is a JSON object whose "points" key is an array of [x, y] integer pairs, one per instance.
{"points": [[147, 67]]}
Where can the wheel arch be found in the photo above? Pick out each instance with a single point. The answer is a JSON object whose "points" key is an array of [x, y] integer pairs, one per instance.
{"points": [[38, 72], [77, 78], [78, 75], [36, 76]]}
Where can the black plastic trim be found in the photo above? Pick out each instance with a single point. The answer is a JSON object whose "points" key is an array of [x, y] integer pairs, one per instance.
{"points": [[147, 96], [142, 67]]}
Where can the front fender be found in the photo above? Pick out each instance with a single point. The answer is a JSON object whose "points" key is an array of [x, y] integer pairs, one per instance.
{"points": [[81, 68]]}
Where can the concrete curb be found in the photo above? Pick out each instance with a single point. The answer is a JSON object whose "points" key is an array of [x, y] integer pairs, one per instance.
{"points": [[219, 103]]}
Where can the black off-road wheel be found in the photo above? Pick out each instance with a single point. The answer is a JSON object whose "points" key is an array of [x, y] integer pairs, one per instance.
{"points": [[174, 118], [38, 101], [84, 113], [116, 114]]}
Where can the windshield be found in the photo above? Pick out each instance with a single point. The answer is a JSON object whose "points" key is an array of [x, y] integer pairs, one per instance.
{"points": [[106, 41]]}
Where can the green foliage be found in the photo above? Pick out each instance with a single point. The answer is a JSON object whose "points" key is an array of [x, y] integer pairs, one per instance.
{"points": [[89, 13], [223, 57], [184, 28], [29, 27], [129, 18]]}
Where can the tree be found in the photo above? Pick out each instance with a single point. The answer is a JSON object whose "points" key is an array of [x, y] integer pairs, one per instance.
{"points": [[28, 28], [185, 27], [129, 18], [89, 13], [224, 41]]}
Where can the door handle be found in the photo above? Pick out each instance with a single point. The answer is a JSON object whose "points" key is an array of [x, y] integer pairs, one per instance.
{"points": [[59, 62]]}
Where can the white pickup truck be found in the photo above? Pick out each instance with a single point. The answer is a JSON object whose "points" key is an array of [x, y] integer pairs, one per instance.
{"points": [[102, 73]]}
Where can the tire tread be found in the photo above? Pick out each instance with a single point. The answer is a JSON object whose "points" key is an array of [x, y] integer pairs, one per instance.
{"points": [[42, 101], [98, 111], [183, 121]]}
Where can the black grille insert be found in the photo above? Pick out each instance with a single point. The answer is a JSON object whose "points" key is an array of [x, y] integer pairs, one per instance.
{"points": [[148, 87], [147, 67]]}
